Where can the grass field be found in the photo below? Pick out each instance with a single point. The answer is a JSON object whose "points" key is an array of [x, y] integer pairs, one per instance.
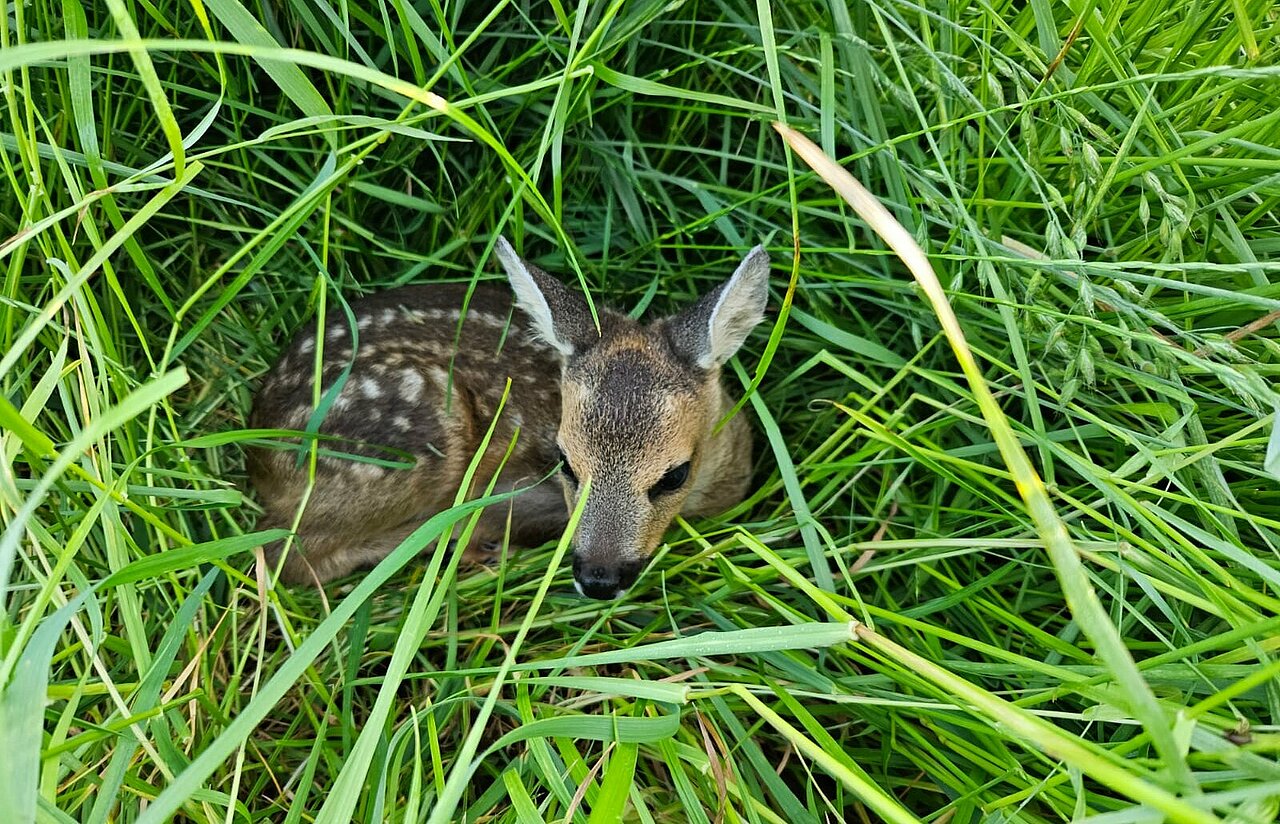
{"points": [[1097, 186]]}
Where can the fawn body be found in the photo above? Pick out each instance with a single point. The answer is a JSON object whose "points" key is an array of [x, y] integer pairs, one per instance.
{"points": [[632, 406]]}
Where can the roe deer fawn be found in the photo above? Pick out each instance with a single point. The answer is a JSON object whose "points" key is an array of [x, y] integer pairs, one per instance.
{"points": [[632, 406]]}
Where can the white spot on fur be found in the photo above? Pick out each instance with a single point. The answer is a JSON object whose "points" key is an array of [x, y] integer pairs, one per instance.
{"points": [[335, 334], [370, 471], [307, 346], [363, 323], [401, 422], [411, 385], [428, 315], [387, 317], [496, 321], [452, 316], [439, 376], [370, 389]]}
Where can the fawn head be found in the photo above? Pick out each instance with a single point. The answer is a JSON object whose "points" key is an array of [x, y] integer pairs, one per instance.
{"points": [[639, 407]]}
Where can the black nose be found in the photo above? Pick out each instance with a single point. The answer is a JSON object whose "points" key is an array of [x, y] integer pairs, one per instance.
{"points": [[605, 581]]}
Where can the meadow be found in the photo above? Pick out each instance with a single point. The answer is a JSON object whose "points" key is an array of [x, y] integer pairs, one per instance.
{"points": [[1019, 567]]}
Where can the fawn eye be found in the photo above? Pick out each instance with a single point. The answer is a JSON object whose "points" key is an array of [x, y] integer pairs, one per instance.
{"points": [[566, 469], [670, 482]]}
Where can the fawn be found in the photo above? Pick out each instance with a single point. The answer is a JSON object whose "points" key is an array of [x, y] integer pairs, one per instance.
{"points": [[632, 406]]}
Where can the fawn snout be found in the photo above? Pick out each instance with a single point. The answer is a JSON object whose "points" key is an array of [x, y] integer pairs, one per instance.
{"points": [[605, 580]]}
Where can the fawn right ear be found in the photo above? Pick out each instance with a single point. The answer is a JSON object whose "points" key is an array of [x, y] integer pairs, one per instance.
{"points": [[560, 317], [709, 332]]}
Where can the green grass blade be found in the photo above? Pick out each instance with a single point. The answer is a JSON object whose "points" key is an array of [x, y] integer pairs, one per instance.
{"points": [[1081, 597]]}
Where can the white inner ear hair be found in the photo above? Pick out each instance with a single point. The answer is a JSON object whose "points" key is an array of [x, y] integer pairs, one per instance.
{"points": [[738, 310], [529, 296]]}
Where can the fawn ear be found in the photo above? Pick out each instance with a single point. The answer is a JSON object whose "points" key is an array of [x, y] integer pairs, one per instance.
{"points": [[560, 317], [710, 331]]}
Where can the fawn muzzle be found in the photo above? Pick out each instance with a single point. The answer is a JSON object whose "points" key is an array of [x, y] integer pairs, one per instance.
{"points": [[609, 549], [605, 580]]}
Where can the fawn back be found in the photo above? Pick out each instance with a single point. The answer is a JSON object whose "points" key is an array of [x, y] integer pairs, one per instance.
{"points": [[632, 406]]}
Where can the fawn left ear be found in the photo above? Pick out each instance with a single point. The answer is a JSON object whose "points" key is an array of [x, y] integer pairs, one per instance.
{"points": [[708, 333], [560, 317]]}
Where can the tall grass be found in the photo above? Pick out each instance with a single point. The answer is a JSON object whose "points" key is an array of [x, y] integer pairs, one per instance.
{"points": [[891, 628]]}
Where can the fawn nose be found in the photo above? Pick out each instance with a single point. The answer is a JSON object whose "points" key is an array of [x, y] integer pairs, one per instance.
{"points": [[605, 581]]}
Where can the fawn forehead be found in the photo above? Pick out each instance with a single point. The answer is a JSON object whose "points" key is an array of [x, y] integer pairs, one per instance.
{"points": [[629, 394]]}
